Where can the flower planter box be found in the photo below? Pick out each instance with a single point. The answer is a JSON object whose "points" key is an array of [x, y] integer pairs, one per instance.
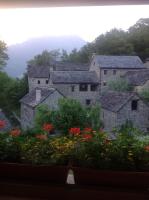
{"points": [[84, 176], [46, 173]]}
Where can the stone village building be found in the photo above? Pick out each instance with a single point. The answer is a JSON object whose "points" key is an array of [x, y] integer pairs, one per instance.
{"points": [[119, 107], [30, 102], [112, 67], [138, 79], [82, 82]]}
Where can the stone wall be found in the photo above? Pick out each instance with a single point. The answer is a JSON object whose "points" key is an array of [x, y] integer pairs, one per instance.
{"points": [[109, 119], [28, 113], [139, 117], [27, 116], [81, 96], [33, 83]]}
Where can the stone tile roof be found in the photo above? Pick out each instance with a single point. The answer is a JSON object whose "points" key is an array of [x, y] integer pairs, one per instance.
{"points": [[128, 62], [38, 71], [44, 71], [8, 125], [30, 98], [68, 66], [113, 101], [138, 77], [67, 77]]}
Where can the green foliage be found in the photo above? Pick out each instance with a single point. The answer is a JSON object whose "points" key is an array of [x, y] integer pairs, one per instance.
{"points": [[138, 36], [45, 58], [119, 85], [145, 94], [12, 90], [44, 115], [36, 151], [93, 115], [92, 153], [114, 42], [3, 54], [70, 113], [9, 148]]}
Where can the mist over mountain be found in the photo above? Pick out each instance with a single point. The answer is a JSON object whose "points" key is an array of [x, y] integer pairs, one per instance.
{"points": [[19, 54]]}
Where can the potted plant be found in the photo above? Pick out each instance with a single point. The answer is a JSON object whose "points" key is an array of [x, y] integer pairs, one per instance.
{"points": [[33, 157], [119, 162]]}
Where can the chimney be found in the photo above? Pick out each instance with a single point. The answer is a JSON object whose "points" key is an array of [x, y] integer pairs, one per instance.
{"points": [[38, 95]]}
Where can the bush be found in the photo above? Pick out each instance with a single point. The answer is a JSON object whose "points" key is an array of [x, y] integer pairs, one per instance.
{"points": [[70, 113], [119, 85], [145, 94]]}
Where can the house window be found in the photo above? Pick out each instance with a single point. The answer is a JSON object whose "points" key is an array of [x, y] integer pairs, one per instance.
{"points": [[38, 81], [47, 81], [134, 105], [83, 87], [104, 83], [88, 102], [114, 72], [93, 87], [105, 72], [72, 88]]}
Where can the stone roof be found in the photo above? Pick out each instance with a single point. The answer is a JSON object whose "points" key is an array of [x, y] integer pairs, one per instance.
{"points": [[114, 101], [67, 77], [44, 71], [38, 71], [68, 66], [7, 125], [138, 77], [128, 62], [30, 98]]}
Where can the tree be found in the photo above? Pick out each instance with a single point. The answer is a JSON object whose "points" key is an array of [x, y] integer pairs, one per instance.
{"points": [[45, 58], [114, 42], [119, 85], [139, 37], [3, 54]]}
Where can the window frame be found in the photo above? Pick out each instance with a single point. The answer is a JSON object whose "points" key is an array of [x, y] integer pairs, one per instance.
{"points": [[88, 102], [134, 105], [81, 87]]}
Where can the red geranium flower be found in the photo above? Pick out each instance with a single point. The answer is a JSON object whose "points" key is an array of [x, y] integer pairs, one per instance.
{"points": [[146, 148], [75, 131], [48, 127], [87, 137], [41, 137], [87, 130], [2, 124], [15, 132]]}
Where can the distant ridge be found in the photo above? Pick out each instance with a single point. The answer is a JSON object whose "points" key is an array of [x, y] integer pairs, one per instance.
{"points": [[19, 54]]}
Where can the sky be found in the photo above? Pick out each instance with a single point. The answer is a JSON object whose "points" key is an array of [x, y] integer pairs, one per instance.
{"points": [[19, 25]]}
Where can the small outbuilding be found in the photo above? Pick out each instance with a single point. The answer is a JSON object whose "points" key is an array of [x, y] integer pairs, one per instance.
{"points": [[119, 107], [33, 99]]}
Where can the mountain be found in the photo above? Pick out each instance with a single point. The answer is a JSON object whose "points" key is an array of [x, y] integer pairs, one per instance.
{"points": [[19, 54]]}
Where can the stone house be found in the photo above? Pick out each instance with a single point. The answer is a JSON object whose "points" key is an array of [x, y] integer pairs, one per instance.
{"points": [[85, 83], [112, 67], [138, 79], [30, 102], [77, 83], [119, 107]]}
